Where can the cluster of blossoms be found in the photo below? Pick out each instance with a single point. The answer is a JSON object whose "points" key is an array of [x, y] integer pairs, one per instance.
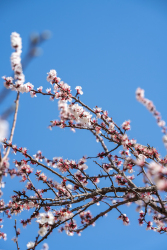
{"points": [[74, 112], [23, 167], [16, 206], [146, 152], [61, 90], [146, 197], [31, 244], [3, 236], [63, 214], [159, 174], [81, 178], [159, 223], [123, 139], [150, 106], [157, 220], [97, 111], [33, 216], [149, 225], [128, 165], [71, 112], [107, 167], [19, 77], [16, 43], [70, 227], [19, 87], [126, 125], [141, 218], [86, 218], [124, 218], [121, 181], [44, 220], [38, 156], [63, 165]]}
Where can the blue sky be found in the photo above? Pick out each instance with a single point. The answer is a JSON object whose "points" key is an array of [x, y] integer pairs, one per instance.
{"points": [[109, 48]]}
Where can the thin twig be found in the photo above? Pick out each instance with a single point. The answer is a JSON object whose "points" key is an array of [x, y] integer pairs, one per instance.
{"points": [[13, 126]]}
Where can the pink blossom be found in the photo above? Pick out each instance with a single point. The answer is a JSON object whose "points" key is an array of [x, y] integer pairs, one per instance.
{"points": [[126, 125], [33, 94], [40, 89], [51, 75], [79, 90]]}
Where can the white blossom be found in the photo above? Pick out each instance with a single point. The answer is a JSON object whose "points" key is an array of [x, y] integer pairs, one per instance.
{"points": [[79, 90], [51, 75], [4, 126], [30, 244], [46, 218], [42, 231], [16, 40]]}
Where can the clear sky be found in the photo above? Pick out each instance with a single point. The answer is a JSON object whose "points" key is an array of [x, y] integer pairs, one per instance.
{"points": [[109, 47]]}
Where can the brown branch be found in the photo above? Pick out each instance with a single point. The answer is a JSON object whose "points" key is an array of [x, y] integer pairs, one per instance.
{"points": [[13, 126], [16, 236], [105, 212]]}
